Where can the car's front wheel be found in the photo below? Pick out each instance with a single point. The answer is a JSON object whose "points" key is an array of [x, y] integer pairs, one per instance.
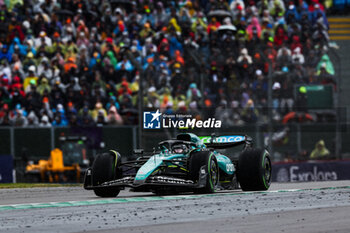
{"points": [[106, 168], [204, 164]]}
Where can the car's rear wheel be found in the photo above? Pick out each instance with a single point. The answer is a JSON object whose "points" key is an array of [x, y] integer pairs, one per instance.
{"points": [[201, 163], [106, 167], [254, 170]]}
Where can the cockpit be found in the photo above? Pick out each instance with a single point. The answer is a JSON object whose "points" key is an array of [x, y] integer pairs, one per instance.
{"points": [[175, 147]]}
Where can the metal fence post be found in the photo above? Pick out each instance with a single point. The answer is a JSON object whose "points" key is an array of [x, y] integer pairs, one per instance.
{"points": [[138, 66], [134, 138], [269, 103], [269, 106], [338, 112], [52, 135], [257, 135], [299, 135], [12, 142], [12, 148]]}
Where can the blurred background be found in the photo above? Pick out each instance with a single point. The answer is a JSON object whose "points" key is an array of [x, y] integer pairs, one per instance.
{"points": [[77, 75]]}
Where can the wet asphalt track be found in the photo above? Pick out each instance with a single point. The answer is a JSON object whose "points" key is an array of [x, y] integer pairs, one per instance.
{"points": [[300, 207]]}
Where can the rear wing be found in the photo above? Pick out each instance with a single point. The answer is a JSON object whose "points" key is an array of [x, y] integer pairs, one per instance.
{"points": [[222, 142]]}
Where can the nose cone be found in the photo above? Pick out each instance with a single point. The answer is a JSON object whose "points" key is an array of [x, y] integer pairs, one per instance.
{"points": [[147, 169]]}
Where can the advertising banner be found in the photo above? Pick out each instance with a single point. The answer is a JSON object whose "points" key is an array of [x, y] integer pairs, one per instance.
{"points": [[311, 171], [6, 169]]}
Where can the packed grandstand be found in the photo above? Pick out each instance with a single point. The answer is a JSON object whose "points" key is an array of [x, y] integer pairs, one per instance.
{"points": [[80, 62]]}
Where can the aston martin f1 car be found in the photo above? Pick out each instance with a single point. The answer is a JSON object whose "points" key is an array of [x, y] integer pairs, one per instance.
{"points": [[186, 164]]}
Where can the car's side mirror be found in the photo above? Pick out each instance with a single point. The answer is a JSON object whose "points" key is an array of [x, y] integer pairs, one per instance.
{"points": [[138, 151]]}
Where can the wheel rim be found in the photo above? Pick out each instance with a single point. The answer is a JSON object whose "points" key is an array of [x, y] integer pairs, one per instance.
{"points": [[213, 172], [267, 168]]}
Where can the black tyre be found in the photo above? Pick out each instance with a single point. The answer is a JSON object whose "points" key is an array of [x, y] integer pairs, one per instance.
{"points": [[106, 168], [254, 170], [207, 160]]}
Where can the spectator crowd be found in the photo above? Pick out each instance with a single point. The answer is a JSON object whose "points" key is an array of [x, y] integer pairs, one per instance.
{"points": [[82, 62]]}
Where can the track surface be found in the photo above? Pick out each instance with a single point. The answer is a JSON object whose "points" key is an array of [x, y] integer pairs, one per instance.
{"points": [[315, 208]]}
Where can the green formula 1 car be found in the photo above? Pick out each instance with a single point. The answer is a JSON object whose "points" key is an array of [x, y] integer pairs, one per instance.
{"points": [[187, 163]]}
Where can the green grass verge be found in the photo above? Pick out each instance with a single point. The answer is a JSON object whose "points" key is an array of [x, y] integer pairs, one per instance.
{"points": [[35, 185]]}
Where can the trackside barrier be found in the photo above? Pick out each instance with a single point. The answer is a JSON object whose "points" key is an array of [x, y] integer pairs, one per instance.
{"points": [[288, 140], [311, 171]]}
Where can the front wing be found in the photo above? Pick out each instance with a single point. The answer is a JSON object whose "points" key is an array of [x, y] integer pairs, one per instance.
{"points": [[151, 183]]}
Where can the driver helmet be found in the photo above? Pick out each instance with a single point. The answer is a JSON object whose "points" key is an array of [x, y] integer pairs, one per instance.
{"points": [[179, 149]]}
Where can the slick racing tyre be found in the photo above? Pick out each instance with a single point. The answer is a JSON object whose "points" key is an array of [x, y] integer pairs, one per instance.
{"points": [[254, 170], [204, 162], [106, 168]]}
